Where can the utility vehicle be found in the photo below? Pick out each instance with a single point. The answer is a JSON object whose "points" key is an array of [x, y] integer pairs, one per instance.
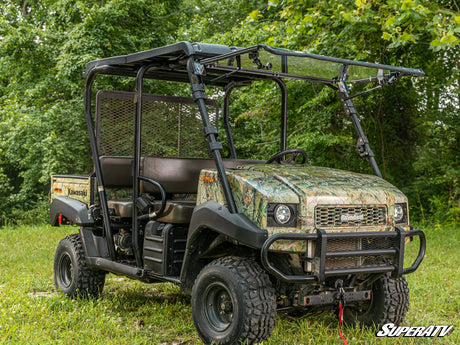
{"points": [[245, 238]]}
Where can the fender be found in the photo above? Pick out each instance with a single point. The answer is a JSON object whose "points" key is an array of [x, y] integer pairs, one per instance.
{"points": [[72, 209], [216, 218], [212, 215]]}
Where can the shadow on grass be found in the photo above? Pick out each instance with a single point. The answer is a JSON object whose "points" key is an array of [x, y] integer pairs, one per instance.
{"points": [[130, 296]]}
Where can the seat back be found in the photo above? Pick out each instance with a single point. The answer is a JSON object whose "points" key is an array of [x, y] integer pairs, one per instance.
{"points": [[176, 175], [180, 175], [117, 171]]}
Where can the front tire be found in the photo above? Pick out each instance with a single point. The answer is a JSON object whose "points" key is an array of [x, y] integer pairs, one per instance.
{"points": [[72, 276], [232, 302], [389, 304]]}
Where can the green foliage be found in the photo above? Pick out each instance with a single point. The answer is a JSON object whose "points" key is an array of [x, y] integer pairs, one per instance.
{"points": [[44, 47], [397, 22], [319, 127], [202, 19], [254, 115]]}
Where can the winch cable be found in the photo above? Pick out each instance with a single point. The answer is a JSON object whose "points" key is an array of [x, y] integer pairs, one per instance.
{"points": [[341, 299], [340, 323]]}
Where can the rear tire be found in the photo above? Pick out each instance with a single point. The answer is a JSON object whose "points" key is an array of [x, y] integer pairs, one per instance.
{"points": [[389, 304], [233, 301], [72, 276]]}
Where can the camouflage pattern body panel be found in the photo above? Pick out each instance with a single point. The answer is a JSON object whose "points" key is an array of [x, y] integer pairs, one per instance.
{"points": [[254, 186], [210, 188], [251, 189], [73, 186]]}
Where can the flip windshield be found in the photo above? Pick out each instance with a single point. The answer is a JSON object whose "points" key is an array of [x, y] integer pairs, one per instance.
{"points": [[299, 65]]}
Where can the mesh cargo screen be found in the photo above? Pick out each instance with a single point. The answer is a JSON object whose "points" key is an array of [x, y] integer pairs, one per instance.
{"points": [[171, 126]]}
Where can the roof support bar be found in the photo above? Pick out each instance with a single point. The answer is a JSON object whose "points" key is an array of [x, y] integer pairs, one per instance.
{"points": [[215, 146], [283, 129], [97, 164], [137, 160], [228, 90]]}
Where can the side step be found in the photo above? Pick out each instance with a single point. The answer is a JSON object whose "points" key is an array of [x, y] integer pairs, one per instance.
{"points": [[128, 271]]}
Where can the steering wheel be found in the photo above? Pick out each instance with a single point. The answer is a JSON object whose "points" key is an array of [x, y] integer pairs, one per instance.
{"points": [[278, 158]]}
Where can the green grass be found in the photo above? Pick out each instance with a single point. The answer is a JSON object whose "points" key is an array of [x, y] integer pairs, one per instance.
{"points": [[131, 312]]}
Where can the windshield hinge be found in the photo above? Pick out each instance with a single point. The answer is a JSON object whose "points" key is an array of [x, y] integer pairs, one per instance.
{"points": [[255, 58], [363, 147]]}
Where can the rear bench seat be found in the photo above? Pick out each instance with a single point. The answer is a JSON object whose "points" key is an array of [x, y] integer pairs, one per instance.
{"points": [[176, 175]]}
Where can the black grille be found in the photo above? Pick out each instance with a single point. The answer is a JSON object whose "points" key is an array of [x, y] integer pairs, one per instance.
{"points": [[336, 245], [358, 261], [350, 216], [171, 126]]}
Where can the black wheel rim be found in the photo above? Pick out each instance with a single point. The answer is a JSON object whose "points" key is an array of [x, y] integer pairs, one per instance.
{"points": [[364, 308], [218, 306], [65, 273]]}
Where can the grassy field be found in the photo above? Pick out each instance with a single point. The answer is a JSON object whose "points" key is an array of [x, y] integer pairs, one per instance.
{"points": [[135, 313]]}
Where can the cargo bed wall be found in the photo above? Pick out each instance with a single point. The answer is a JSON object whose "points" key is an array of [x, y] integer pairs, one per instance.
{"points": [[79, 187]]}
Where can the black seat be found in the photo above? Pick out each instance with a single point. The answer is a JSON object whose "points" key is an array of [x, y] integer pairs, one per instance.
{"points": [[176, 175], [180, 175], [176, 211], [117, 171]]}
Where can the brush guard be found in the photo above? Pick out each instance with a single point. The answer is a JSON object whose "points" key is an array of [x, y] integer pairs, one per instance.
{"points": [[395, 252]]}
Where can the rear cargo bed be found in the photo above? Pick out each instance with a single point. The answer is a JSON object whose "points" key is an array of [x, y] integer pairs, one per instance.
{"points": [[79, 187]]}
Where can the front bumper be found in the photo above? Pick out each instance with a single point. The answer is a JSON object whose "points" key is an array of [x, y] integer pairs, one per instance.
{"points": [[393, 252]]}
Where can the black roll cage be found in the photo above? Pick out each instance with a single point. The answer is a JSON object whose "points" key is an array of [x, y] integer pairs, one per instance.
{"points": [[198, 64]]}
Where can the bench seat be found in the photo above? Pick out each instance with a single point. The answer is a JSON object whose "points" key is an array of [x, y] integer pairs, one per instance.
{"points": [[176, 211], [176, 175], [180, 175]]}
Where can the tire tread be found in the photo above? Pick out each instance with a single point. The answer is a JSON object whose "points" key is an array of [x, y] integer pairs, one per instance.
{"points": [[88, 282], [390, 304], [259, 298]]}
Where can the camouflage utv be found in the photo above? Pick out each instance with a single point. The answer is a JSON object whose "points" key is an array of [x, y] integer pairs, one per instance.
{"points": [[245, 238]]}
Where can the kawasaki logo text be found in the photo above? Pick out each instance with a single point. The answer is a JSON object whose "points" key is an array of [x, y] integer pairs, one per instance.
{"points": [[351, 217]]}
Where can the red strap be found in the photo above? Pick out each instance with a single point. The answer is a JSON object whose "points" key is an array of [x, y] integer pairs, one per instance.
{"points": [[340, 323]]}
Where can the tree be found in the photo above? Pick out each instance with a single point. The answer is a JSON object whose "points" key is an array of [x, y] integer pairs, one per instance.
{"points": [[202, 19], [44, 47]]}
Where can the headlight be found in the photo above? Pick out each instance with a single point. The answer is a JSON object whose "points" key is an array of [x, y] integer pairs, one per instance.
{"points": [[284, 215], [400, 214]]}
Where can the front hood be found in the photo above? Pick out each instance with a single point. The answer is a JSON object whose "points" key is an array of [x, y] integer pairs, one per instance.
{"points": [[324, 185], [255, 186]]}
